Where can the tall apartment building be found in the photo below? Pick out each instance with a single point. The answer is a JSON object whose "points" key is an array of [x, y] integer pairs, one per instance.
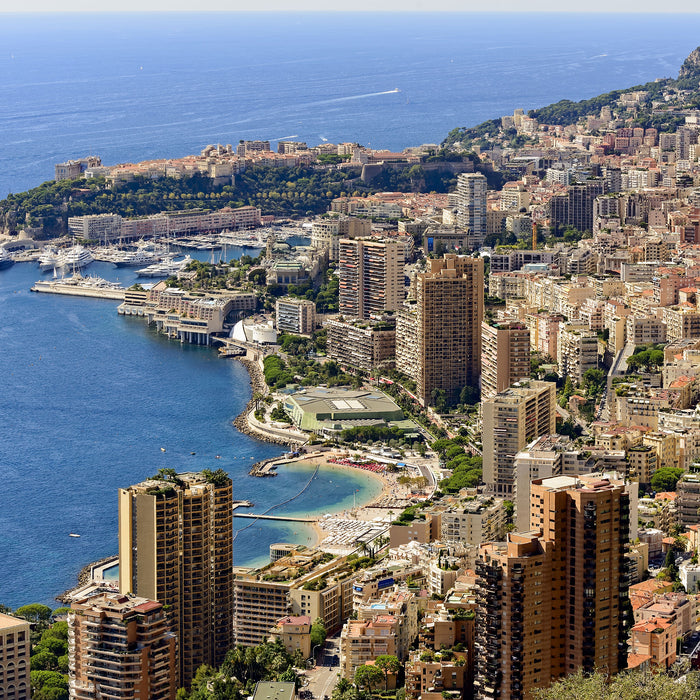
{"points": [[471, 204], [120, 646], [176, 547], [512, 419], [14, 658], [505, 356], [326, 233], [361, 344], [295, 315], [438, 337], [575, 207], [577, 350], [371, 276], [555, 599]]}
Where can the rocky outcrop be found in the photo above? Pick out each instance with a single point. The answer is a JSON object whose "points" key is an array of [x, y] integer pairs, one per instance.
{"points": [[691, 65]]}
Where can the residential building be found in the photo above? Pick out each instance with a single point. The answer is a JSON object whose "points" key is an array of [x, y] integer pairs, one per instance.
{"points": [[14, 658], [327, 232], [554, 600], [176, 547], [295, 315], [577, 350], [471, 204], [371, 276], [474, 522], [654, 641], [575, 207], [688, 501], [361, 344], [304, 583], [120, 646], [295, 633], [505, 356], [439, 335], [512, 419]]}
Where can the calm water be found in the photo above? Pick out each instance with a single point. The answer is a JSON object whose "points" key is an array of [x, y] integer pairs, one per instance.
{"points": [[131, 87], [88, 399]]}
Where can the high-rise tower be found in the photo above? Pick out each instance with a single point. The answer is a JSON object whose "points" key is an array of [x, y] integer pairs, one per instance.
{"points": [[176, 547], [511, 419], [505, 356], [555, 599], [438, 338], [471, 204], [371, 276]]}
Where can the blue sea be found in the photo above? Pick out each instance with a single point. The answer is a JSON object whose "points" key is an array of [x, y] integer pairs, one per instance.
{"points": [[89, 398]]}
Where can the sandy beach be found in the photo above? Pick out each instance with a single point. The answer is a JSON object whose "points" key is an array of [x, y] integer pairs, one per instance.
{"points": [[344, 526]]}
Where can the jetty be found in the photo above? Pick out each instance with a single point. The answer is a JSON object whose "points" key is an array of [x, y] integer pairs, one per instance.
{"points": [[290, 518], [81, 287]]}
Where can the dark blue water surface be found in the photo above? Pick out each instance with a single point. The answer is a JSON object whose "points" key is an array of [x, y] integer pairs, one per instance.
{"points": [[132, 87], [88, 399]]}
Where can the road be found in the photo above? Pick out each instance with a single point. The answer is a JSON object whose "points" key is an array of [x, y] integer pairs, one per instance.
{"points": [[324, 675]]}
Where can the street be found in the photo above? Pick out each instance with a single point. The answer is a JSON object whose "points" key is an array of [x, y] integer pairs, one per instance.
{"points": [[324, 675]]}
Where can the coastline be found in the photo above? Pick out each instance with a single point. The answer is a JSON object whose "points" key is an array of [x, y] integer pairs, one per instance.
{"points": [[365, 513]]}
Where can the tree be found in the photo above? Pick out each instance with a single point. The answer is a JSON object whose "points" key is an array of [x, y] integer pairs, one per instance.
{"points": [[368, 676], [630, 685], [318, 632], [388, 663], [34, 612], [666, 478]]}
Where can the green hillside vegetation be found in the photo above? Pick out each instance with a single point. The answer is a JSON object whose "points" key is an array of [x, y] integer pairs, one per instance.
{"points": [[277, 191]]}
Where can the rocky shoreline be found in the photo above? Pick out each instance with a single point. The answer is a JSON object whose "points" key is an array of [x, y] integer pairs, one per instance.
{"points": [[258, 386]]}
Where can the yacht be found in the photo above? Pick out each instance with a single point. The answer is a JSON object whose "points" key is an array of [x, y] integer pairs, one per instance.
{"points": [[48, 260], [137, 258], [5, 259], [75, 258], [166, 268]]}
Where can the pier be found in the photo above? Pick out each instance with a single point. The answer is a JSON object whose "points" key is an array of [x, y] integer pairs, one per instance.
{"points": [[253, 516], [76, 290]]}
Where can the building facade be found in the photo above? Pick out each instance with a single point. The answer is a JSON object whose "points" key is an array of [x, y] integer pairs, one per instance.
{"points": [[505, 356], [471, 205], [511, 420], [120, 646], [439, 335], [176, 547], [371, 276], [14, 658]]}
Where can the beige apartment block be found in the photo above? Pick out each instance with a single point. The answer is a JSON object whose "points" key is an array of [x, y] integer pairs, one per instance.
{"points": [[361, 344], [505, 356], [120, 646], [14, 658], [304, 583], [681, 322], [577, 350], [295, 315], [511, 420], [446, 319], [371, 276], [477, 521], [295, 633], [176, 547]]}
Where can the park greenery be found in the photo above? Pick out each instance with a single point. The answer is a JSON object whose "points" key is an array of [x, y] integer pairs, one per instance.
{"points": [[466, 468], [243, 667], [298, 369], [647, 357], [665, 479]]}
